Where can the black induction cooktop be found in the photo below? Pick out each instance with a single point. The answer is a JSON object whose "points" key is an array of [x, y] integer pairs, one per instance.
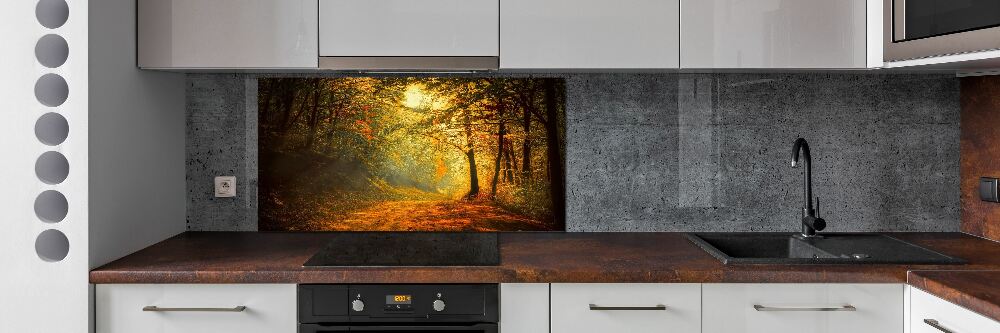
{"points": [[408, 249]]}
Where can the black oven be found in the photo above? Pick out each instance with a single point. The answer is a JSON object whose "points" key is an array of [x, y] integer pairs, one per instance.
{"points": [[373, 308]]}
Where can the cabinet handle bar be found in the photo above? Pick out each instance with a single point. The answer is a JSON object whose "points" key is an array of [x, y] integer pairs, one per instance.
{"points": [[596, 307], [935, 324], [154, 308], [759, 307]]}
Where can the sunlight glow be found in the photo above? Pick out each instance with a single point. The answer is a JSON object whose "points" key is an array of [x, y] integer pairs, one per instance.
{"points": [[414, 97]]}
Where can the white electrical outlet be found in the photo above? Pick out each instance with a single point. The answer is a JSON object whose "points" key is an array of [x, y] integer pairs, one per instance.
{"points": [[225, 187]]}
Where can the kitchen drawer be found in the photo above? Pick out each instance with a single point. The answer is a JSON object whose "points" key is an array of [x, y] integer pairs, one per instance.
{"points": [[269, 308], [948, 316], [634, 308], [778, 308]]}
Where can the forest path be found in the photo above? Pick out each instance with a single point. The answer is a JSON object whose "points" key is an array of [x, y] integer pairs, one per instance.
{"points": [[433, 215]]}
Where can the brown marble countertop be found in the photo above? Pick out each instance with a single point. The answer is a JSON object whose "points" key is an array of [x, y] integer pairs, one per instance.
{"points": [[978, 291], [263, 257]]}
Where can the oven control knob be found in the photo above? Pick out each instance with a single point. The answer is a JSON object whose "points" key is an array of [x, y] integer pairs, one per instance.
{"points": [[438, 305], [358, 305]]}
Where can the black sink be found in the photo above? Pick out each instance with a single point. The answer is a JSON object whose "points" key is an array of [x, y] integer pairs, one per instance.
{"points": [[788, 248]]}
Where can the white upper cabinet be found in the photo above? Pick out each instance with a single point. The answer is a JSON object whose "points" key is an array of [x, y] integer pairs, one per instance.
{"points": [[509, 34], [408, 28], [227, 34], [780, 34], [589, 34]]}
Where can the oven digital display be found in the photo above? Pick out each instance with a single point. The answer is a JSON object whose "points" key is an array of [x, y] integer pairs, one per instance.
{"points": [[398, 299]]}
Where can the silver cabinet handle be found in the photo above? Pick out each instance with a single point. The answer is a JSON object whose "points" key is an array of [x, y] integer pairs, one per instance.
{"points": [[596, 307], [759, 307], [935, 324], [159, 309]]}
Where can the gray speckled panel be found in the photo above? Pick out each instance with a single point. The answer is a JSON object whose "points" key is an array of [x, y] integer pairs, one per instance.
{"points": [[221, 141], [685, 152]]}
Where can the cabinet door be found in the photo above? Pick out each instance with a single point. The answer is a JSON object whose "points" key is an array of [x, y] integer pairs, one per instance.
{"points": [[633, 308], [773, 34], [408, 28], [122, 308], [524, 308], [227, 34], [589, 34], [927, 310], [803, 308]]}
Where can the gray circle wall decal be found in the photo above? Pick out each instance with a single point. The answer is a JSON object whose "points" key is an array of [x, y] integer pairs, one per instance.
{"points": [[51, 206], [51, 129], [51, 90], [52, 245], [52, 13], [51, 51], [52, 167]]}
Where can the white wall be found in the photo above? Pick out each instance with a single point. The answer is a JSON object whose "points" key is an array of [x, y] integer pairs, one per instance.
{"points": [[137, 185], [38, 295], [125, 151]]}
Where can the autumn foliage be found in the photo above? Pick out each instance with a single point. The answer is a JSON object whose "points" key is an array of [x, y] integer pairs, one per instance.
{"points": [[404, 153]]}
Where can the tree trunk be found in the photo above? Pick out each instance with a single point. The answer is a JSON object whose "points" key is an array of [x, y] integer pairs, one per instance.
{"points": [[526, 146], [313, 117], [287, 103], [332, 122], [509, 163], [556, 179], [471, 154], [473, 176], [496, 163], [300, 100]]}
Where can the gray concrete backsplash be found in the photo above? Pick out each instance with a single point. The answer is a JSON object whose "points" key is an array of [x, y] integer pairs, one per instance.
{"points": [[682, 152], [221, 141]]}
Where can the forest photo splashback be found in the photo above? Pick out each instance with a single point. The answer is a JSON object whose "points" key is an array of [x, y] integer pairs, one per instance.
{"points": [[411, 154]]}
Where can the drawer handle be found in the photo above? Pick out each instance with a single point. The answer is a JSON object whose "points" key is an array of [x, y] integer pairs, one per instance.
{"points": [[759, 307], [596, 307], [159, 309], [935, 324]]}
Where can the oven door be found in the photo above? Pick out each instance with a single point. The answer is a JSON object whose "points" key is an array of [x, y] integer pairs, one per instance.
{"points": [[914, 29], [474, 328]]}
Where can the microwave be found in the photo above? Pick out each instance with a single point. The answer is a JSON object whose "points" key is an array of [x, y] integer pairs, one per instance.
{"points": [[915, 29]]}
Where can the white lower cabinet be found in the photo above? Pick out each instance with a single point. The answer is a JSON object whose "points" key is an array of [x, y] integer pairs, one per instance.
{"points": [[570, 308], [180, 308], [634, 308], [524, 308], [803, 308], [930, 314]]}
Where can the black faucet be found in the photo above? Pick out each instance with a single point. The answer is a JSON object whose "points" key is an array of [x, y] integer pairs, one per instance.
{"points": [[810, 221]]}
